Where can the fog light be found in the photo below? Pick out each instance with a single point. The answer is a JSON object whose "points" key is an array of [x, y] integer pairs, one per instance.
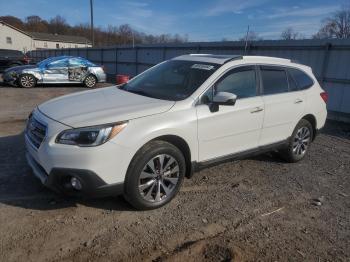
{"points": [[76, 184]]}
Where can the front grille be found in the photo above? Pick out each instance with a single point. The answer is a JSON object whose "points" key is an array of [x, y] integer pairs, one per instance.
{"points": [[35, 131]]}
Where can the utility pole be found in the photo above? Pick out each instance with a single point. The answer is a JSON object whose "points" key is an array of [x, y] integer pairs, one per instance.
{"points": [[133, 39], [92, 22], [246, 40]]}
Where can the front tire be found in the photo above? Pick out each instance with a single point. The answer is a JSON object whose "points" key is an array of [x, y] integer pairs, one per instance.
{"points": [[299, 143], [90, 81], [27, 81], [155, 175]]}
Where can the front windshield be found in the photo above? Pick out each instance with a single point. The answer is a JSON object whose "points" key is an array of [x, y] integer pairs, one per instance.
{"points": [[172, 80]]}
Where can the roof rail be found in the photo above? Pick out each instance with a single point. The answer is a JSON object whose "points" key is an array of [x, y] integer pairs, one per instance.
{"points": [[277, 59], [238, 57]]}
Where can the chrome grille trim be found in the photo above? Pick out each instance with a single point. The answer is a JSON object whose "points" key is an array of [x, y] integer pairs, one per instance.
{"points": [[35, 131]]}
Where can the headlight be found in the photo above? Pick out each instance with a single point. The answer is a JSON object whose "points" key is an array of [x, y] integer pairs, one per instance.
{"points": [[90, 136]]}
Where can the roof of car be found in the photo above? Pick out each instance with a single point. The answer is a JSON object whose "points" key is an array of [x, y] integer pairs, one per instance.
{"points": [[208, 58], [222, 59]]}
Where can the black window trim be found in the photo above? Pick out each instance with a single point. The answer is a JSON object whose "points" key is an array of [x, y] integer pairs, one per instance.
{"points": [[257, 81], [291, 78]]}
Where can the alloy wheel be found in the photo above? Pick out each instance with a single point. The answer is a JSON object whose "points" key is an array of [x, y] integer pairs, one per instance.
{"points": [[159, 178], [301, 141], [27, 81], [90, 81]]}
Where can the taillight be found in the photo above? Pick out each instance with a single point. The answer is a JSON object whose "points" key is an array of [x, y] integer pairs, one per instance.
{"points": [[122, 79], [324, 96]]}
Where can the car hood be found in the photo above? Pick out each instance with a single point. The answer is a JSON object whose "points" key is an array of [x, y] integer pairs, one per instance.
{"points": [[101, 106], [20, 68]]}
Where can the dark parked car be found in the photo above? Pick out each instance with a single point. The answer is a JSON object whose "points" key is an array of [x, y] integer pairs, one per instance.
{"points": [[10, 58]]}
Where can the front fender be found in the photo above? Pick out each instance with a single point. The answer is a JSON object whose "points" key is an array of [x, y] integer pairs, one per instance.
{"points": [[140, 131]]}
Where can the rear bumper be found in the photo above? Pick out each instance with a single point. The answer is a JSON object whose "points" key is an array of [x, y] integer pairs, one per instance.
{"points": [[59, 181]]}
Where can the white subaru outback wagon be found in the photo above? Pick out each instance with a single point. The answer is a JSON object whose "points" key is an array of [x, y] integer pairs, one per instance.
{"points": [[141, 138]]}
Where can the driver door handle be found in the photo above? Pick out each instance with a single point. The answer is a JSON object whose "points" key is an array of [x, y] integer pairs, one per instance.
{"points": [[298, 101], [257, 109]]}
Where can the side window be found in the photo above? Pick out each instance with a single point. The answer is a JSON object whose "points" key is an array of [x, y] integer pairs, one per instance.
{"points": [[76, 62], [303, 80], [240, 81], [274, 80], [58, 63]]}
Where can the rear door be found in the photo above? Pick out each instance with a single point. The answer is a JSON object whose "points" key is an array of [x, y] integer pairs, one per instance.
{"points": [[284, 104], [77, 69], [56, 71]]}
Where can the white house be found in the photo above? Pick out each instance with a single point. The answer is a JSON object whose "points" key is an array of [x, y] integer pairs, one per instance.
{"points": [[16, 39], [13, 38], [52, 41]]}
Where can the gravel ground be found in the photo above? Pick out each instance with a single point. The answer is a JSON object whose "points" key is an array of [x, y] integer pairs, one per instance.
{"points": [[255, 209]]}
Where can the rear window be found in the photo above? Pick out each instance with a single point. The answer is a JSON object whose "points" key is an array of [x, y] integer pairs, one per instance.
{"points": [[274, 80], [303, 80]]}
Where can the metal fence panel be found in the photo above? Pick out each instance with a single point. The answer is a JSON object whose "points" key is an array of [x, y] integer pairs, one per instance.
{"points": [[329, 59]]}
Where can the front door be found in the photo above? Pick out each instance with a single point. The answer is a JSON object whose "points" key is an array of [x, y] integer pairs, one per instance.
{"points": [[231, 129], [56, 72]]}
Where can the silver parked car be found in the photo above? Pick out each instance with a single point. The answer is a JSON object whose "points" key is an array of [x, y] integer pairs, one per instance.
{"points": [[56, 70]]}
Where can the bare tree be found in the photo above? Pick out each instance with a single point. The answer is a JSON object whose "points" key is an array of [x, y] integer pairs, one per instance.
{"points": [[252, 36], [112, 35], [290, 34], [34, 23], [58, 25], [337, 26], [14, 21]]}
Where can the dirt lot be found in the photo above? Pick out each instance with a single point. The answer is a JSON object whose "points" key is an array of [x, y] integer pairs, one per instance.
{"points": [[223, 213]]}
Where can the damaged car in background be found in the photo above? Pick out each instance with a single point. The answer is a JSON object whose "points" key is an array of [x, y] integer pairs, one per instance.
{"points": [[56, 70]]}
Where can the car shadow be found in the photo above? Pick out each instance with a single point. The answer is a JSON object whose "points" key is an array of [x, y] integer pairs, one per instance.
{"points": [[19, 187], [73, 85], [337, 129]]}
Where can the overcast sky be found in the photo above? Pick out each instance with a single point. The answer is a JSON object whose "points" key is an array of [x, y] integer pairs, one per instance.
{"points": [[201, 20]]}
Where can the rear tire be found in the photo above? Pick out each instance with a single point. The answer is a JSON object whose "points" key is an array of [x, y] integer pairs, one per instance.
{"points": [[299, 142], [90, 81], [27, 81], [155, 175]]}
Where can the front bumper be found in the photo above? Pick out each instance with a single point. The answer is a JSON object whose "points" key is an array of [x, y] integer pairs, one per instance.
{"points": [[59, 181], [10, 79], [101, 170]]}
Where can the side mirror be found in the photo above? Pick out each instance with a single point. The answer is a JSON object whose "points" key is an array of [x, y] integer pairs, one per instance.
{"points": [[225, 99]]}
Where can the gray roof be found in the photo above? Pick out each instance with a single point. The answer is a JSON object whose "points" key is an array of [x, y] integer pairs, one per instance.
{"points": [[208, 58], [59, 38]]}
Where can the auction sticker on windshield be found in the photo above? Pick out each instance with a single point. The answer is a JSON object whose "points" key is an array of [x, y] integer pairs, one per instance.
{"points": [[203, 67]]}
